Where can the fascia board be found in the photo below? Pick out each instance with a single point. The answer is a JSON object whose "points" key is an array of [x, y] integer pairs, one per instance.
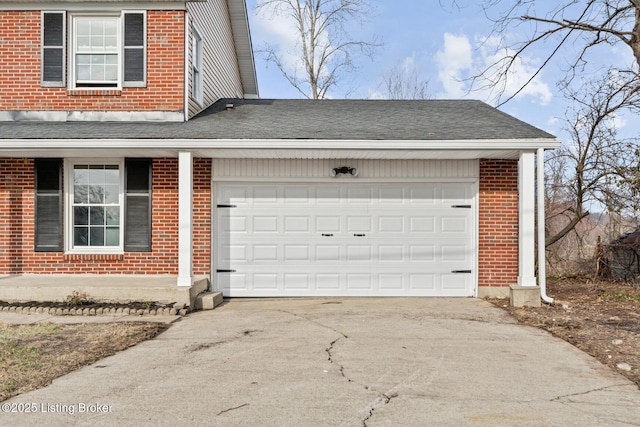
{"points": [[94, 5], [302, 144]]}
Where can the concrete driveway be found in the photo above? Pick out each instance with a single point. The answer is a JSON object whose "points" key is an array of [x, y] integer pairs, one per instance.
{"points": [[341, 362]]}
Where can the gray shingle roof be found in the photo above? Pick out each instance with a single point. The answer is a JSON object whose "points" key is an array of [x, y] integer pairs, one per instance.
{"points": [[264, 119]]}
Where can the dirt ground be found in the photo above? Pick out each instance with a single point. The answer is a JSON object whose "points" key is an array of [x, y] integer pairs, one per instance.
{"points": [[31, 356], [599, 317]]}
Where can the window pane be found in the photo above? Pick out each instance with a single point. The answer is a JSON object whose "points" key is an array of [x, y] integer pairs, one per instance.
{"points": [[83, 43], [96, 236], [110, 28], [111, 194], [97, 224], [112, 175], [83, 27], [96, 215], [80, 236], [81, 174], [111, 72], [83, 72], [112, 236], [80, 194], [113, 215], [96, 194], [80, 215]]}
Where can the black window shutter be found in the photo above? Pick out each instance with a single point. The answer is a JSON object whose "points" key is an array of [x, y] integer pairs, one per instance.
{"points": [[134, 55], [48, 205], [52, 67], [137, 222]]}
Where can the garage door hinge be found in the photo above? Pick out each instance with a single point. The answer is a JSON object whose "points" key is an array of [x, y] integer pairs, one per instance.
{"points": [[225, 271], [227, 206], [460, 271], [461, 206]]}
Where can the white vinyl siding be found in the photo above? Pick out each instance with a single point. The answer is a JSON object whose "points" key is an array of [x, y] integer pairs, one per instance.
{"points": [[221, 75], [367, 169]]}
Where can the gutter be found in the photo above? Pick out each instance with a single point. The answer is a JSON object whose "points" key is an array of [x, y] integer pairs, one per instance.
{"points": [[542, 260]]}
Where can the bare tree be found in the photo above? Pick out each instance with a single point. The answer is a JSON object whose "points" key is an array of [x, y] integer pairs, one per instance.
{"points": [[594, 168], [586, 24], [401, 82], [324, 48]]}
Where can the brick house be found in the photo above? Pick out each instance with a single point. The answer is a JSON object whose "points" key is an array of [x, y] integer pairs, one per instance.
{"points": [[134, 149]]}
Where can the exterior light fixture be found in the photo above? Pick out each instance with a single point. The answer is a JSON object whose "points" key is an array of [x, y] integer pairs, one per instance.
{"points": [[344, 170]]}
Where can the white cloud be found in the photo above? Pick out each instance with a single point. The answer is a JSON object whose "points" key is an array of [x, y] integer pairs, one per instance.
{"points": [[454, 62], [459, 62]]}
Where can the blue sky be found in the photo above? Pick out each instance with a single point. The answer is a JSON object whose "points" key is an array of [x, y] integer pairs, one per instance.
{"points": [[443, 45]]}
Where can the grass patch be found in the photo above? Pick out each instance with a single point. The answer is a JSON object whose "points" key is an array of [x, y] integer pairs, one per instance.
{"points": [[623, 297], [31, 356]]}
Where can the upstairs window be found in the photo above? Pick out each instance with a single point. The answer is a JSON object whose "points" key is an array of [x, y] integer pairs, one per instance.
{"points": [[196, 67], [95, 52], [105, 51]]}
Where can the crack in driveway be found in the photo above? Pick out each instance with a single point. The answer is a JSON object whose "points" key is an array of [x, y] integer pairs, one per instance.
{"points": [[382, 398], [584, 393]]}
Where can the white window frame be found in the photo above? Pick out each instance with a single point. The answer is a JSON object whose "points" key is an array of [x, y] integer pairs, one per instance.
{"points": [[72, 49], [197, 81], [69, 194]]}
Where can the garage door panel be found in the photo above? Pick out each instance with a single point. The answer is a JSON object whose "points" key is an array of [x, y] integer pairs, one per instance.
{"points": [[265, 281], [297, 224], [391, 253], [359, 253], [425, 195], [297, 253], [265, 224], [329, 282], [420, 253], [422, 224], [263, 196], [454, 282], [423, 282], [328, 252], [359, 195], [454, 195], [391, 224], [297, 196], [359, 281], [298, 281], [365, 239], [455, 224]]}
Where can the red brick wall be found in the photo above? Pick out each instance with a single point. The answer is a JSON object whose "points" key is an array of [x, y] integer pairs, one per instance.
{"points": [[20, 77], [498, 232], [17, 226]]}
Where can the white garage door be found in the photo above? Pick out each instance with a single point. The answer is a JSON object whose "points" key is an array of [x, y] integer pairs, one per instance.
{"points": [[345, 240]]}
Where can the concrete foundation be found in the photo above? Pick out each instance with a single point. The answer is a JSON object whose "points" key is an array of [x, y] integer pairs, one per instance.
{"points": [[101, 288], [524, 296], [493, 292]]}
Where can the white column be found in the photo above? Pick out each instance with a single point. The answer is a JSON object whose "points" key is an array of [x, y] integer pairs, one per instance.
{"points": [[526, 232], [185, 219]]}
